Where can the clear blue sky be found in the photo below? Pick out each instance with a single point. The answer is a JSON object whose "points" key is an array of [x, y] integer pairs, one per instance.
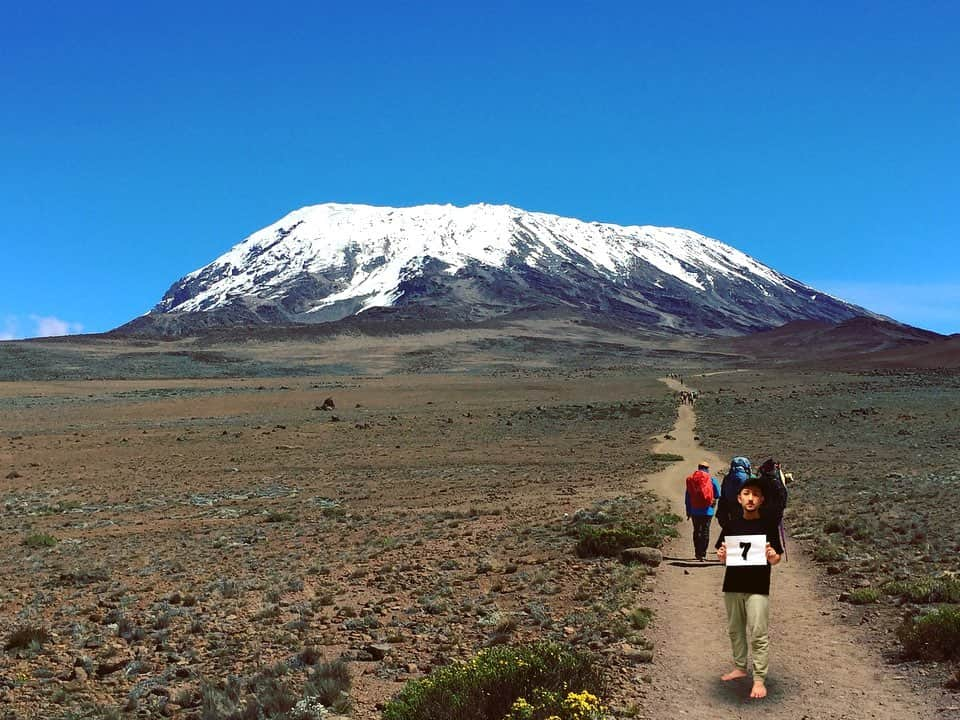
{"points": [[139, 141]]}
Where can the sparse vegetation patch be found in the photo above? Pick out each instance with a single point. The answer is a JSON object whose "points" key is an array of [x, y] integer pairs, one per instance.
{"points": [[27, 637], [39, 540], [612, 526], [945, 589], [932, 635], [490, 686]]}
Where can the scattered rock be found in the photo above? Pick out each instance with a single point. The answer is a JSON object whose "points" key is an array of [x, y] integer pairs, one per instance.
{"points": [[489, 565], [637, 655], [106, 667], [645, 555]]}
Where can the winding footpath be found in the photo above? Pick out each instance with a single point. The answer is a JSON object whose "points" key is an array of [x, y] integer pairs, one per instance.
{"points": [[820, 669]]}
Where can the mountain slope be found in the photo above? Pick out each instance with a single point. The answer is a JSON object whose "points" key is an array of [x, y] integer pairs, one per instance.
{"points": [[327, 262], [818, 341]]}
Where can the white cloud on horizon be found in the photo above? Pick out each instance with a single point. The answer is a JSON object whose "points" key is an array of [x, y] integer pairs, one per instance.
{"points": [[934, 306], [49, 326], [8, 329], [43, 326]]}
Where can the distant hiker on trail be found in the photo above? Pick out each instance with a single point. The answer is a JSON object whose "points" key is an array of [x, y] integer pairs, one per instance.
{"points": [[746, 583], [701, 497]]}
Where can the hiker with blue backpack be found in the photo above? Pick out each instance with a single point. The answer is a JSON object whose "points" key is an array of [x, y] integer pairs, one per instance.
{"points": [[740, 471], [701, 497], [727, 505]]}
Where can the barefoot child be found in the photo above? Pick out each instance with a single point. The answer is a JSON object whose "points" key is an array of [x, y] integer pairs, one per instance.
{"points": [[746, 585]]}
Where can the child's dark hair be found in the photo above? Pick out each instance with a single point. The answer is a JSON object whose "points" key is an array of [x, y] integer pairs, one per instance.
{"points": [[757, 483]]}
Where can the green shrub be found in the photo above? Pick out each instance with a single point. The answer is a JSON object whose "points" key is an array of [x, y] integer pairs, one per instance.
{"points": [[925, 590], [933, 635], [640, 618], [863, 596], [610, 540], [488, 686], [828, 552], [39, 540], [557, 705]]}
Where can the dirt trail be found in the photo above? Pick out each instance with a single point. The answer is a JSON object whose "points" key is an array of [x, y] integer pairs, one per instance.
{"points": [[819, 669]]}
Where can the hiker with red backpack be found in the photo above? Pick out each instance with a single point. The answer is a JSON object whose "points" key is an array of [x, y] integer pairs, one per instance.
{"points": [[701, 497]]}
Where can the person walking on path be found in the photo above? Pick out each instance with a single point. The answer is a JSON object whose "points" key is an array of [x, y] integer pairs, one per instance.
{"points": [[746, 584], [701, 497]]}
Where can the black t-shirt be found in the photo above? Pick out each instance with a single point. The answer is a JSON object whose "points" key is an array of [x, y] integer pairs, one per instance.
{"points": [[753, 579]]}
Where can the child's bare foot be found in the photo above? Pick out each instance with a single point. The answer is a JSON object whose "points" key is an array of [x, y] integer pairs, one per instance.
{"points": [[759, 690], [734, 674]]}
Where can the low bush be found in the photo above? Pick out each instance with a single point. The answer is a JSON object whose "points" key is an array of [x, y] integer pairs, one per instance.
{"points": [[265, 697], [933, 635], [828, 552], [926, 589], [489, 686], [610, 540], [26, 637], [557, 706], [270, 695], [640, 618], [863, 596], [39, 540], [329, 683]]}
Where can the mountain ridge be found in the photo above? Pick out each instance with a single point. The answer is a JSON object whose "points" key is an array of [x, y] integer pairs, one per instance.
{"points": [[327, 262]]}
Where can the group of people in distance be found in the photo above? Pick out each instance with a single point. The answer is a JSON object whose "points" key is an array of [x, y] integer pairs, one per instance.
{"points": [[749, 508]]}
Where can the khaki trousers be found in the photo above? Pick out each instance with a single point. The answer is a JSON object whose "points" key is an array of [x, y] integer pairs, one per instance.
{"points": [[747, 619]]}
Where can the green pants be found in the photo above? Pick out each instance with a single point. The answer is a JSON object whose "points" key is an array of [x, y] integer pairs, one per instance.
{"points": [[747, 618]]}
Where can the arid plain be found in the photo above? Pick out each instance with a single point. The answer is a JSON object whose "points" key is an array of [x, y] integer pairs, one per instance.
{"points": [[166, 532]]}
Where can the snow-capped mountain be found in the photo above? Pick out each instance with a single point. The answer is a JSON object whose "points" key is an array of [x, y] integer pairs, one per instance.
{"points": [[327, 262]]}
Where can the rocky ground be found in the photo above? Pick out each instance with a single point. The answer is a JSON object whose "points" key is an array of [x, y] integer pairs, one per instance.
{"points": [[162, 537], [166, 540]]}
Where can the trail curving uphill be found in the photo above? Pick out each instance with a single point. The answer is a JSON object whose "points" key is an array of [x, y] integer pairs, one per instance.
{"points": [[819, 668]]}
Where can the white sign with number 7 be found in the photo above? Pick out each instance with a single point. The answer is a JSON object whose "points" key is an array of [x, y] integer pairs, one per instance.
{"points": [[746, 550]]}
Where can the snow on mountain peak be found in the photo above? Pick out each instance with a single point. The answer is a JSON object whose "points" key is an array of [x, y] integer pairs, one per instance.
{"points": [[375, 248]]}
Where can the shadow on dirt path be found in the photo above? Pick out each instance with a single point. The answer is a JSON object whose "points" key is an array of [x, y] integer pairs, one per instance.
{"points": [[819, 669]]}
